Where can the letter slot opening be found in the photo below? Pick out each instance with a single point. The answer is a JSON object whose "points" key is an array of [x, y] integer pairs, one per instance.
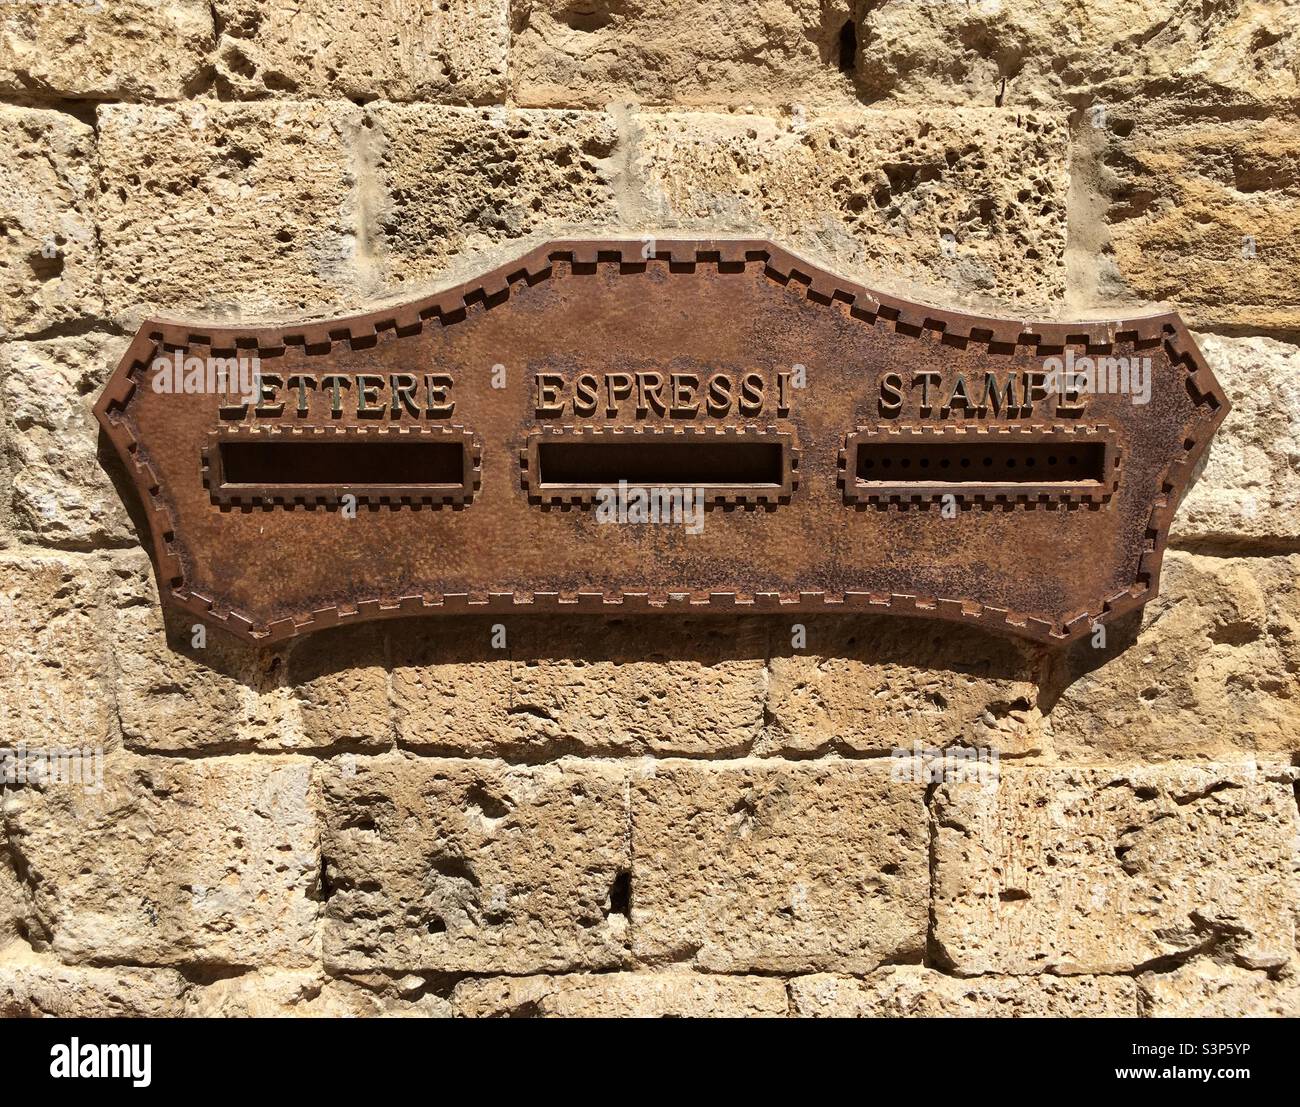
{"points": [[1034, 463], [275, 467], [741, 467]]}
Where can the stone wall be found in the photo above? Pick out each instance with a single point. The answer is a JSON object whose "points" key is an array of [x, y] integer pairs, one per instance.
{"points": [[622, 817]]}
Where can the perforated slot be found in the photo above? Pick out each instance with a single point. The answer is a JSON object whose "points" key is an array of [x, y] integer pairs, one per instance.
{"points": [[1030, 464], [957, 463]]}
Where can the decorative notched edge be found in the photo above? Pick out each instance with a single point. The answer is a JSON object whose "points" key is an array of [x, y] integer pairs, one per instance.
{"points": [[989, 495], [413, 496], [747, 496], [485, 292]]}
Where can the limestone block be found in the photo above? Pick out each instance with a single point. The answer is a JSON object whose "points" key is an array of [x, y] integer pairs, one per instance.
{"points": [[912, 991], [881, 684], [1198, 211], [967, 205], [54, 654], [1211, 672], [473, 866], [174, 861], [575, 685], [220, 210], [724, 53], [104, 49], [1078, 870], [340, 687], [621, 995], [990, 52], [308, 993], [460, 181], [49, 258], [183, 686], [1249, 485], [1203, 988], [757, 866], [61, 493], [37, 985], [365, 49]]}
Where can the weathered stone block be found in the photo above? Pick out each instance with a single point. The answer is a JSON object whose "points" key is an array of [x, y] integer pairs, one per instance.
{"points": [[621, 995], [1103, 871], [876, 684], [474, 866], [459, 181], [753, 865], [38, 985], [1249, 487], [54, 656], [1203, 988], [104, 49], [967, 205], [990, 52], [174, 862], [182, 686], [225, 210], [570, 685], [1198, 211], [308, 993], [911, 991], [725, 53], [49, 258], [1212, 671], [365, 49], [340, 687], [61, 493]]}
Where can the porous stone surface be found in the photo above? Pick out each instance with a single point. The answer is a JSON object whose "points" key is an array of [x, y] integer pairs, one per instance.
{"points": [[172, 862], [38, 985], [1197, 210], [61, 494], [308, 993], [105, 49], [1208, 669], [994, 52], [49, 256], [970, 202], [229, 210], [872, 685], [1075, 870], [754, 866], [364, 49], [729, 52], [573, 685], [473, 866], [621, 995], [913, 991], [340, 689], [455, 184], [183, 687], [54, 654], [1205, 988], [1248, 489]]}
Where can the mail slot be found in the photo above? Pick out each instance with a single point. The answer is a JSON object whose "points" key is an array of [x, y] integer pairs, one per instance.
{"points": [[728, 464], [286, 466], [922, 462]]}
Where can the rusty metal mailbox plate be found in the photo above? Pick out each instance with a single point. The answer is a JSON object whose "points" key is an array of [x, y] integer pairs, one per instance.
{"points": [[844, 450]]}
